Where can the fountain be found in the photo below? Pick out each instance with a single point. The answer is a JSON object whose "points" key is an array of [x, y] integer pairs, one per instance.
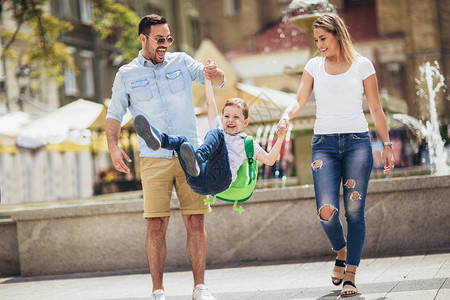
{"points": [[434, 81], [303, 13], [269, 146], [285, 163], [259, 134], [264, 145], [265, 136]]}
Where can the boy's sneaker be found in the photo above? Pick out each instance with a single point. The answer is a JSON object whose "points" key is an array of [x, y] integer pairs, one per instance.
{"points": [[150, 134], [201, 293], [187, 153], [158, 295]]}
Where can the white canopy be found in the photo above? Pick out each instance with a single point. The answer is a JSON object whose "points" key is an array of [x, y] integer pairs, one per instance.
{"points": [[67, 123], [271, 107], [273, 104], [11, 124]]}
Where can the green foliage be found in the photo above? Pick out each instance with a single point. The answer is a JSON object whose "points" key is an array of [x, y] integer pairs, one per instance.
{"points": [[45, 54], [120, 22]]}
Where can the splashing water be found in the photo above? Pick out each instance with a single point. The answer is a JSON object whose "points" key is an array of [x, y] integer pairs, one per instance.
{"points": [[270, 139], [434, 81], [300, 7], [265, 136], [286, 155], [303, 13]]}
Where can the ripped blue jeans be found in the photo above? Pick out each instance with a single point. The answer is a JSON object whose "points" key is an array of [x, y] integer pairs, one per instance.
{"points": [[347, 159]]}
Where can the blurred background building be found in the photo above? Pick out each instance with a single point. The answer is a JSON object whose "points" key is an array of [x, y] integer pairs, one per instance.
{"points": [[263, 56]]}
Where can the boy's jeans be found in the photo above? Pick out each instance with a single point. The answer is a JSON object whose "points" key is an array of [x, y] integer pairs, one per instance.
{"points": [[215, 173], [346, 157]]}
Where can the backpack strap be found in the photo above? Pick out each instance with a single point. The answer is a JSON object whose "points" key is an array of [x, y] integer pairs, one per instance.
{"points": [[248, 141], [239, 209], [209, 201]]}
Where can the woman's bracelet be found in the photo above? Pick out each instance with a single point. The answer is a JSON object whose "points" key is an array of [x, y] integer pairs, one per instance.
{"points": [[388, 144]]}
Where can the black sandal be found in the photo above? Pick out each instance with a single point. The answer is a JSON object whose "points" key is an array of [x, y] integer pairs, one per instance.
{"points": [[338, 275], [351, 287]]}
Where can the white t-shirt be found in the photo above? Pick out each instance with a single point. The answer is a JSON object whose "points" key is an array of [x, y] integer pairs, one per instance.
{"points": [[339, 97], [236, 148]]}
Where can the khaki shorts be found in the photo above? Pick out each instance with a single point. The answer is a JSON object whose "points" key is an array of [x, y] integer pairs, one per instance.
{"points": [[158, 175]]}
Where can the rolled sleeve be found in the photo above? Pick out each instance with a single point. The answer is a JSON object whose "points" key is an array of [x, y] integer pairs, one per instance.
{"points": [[119, 99], [195, 69], [223, 83]]}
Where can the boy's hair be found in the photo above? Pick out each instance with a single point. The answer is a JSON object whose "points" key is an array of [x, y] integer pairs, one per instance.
{"points": [[238, 102], [147, 21]]}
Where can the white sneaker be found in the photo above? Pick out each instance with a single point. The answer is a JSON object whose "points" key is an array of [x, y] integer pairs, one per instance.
{"points": [[201, 293], [158, 295]]}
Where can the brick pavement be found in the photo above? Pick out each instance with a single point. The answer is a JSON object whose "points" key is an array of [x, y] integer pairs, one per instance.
{"points": [[417, 276]]}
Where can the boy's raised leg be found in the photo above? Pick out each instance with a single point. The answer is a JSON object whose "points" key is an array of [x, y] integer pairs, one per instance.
{"points": [[187, 154], [151, 135]]}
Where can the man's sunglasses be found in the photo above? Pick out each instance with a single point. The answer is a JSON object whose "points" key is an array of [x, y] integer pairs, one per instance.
{"points": [[161, 40]]}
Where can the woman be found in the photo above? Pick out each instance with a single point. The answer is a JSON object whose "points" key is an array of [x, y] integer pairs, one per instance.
{"points": [[341, 147]]}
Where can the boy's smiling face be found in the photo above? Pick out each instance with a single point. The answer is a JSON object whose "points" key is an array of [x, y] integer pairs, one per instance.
{"points": [[233, 120]]}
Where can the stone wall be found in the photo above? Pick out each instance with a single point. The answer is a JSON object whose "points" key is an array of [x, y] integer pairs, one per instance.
{"points": [[107, 233], [45, 175], [9, 251]]}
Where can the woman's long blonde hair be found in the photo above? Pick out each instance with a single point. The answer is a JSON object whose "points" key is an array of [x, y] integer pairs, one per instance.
{"points": [[334, 25]]}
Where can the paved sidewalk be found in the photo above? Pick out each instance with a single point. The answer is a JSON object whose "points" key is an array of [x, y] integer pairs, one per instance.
{"points": [[411, 277]]}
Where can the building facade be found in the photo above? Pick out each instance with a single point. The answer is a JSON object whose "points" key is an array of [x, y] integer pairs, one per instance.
{"points": [[398, 36], [68, 171], [262, 49]]}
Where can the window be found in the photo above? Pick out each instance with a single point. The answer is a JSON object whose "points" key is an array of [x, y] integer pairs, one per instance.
{"points": [[87, 73], [231, 7], [70, 82], [68, 9], [195, 29], [86, 11], [395, 84]]}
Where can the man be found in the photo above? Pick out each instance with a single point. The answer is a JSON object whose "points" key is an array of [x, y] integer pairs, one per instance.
{"points": [[158, 85]]}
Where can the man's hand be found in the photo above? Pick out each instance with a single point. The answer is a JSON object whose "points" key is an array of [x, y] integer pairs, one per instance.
{"points": [[117, 157], [117, 154], [212, 72]]}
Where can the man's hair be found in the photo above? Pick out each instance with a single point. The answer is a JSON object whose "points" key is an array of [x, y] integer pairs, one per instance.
{"points": [[237, 102], [147, 21]]}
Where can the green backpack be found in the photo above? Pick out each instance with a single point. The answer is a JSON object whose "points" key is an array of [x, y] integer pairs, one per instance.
{"points": [[242, 188]]}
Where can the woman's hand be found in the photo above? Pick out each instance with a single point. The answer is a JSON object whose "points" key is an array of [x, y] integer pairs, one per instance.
{"points": [[388, 159], [283, 125]]}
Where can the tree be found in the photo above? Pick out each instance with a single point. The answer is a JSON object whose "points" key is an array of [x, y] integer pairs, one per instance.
{"points": [[44, 53], [114, 19]]}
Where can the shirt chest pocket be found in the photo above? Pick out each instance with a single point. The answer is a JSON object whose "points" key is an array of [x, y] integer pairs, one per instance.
{"points": [[141, 89], [175, 81]]}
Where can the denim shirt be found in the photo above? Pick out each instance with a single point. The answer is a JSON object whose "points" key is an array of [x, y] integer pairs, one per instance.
{"points": [[162, 93]]}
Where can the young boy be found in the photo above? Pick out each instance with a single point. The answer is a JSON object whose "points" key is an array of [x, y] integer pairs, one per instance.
{"points": [[213, 166]]}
